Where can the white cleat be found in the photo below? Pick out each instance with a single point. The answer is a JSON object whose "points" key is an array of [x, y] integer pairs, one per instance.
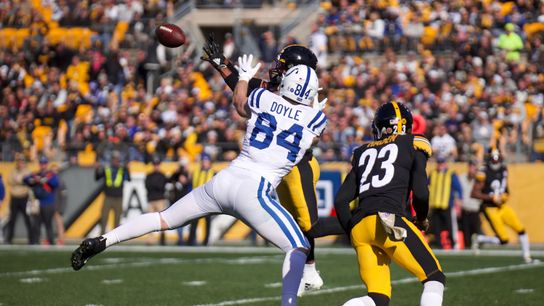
{"points": [[311, 281], [529, 260]]}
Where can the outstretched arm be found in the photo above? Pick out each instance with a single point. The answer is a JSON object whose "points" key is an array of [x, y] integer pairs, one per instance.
{"points": [[247, 71], [214, 55]]}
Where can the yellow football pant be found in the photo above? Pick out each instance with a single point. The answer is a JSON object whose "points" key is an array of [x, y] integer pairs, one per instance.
{"points": [[375, 251], [498, 217], [296, 192]]}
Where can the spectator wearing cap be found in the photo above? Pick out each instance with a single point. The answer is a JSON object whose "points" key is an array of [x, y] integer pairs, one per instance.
{"points": [[19, 196], [43, 184], [511, 42], [201, 175], [114, 177], [445, 193], [470, 207], [155, 184]]}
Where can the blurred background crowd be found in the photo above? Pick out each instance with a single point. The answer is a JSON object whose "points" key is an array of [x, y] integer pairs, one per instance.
{"points": [[81, 79]]}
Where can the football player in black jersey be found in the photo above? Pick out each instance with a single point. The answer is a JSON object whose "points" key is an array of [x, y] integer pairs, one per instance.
{"points": [[383, 174], [296, 192], [492, 188]]}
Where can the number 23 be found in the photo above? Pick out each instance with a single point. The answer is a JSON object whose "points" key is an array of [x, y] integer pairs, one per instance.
{"points": [[368, 159]]}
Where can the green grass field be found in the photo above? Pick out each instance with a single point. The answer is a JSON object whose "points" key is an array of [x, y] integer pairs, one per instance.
{"points": [[219, 276]]}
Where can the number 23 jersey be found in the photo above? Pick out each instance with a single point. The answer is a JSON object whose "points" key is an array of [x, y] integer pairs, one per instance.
{"points": [[384, 172], [278, 134]]}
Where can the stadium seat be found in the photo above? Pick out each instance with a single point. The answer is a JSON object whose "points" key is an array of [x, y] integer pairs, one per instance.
{"points": [[87, 157], [39, 134], [84, 112], [56, 35], [201, 83], [20, 37], [429, 36], [532, 28]]}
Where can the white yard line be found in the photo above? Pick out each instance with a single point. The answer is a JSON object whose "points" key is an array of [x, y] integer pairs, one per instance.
{"points": [[395, 282], [160, 261], [248, 250]]}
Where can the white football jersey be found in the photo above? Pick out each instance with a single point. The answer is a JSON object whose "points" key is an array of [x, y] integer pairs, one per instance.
{"points": [[278, 134]]}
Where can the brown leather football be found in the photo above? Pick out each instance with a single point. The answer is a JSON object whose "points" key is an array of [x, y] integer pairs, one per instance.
{"points": [[170, 35]]}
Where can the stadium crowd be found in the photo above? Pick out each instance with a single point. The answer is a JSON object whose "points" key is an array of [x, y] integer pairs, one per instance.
{"points": [[472, 79]]}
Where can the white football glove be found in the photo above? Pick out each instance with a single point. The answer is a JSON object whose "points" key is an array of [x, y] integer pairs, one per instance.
{"points": [[319, 105], [245, 68]]}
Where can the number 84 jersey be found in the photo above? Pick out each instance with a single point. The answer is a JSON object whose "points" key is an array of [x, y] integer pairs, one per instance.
{"points": [[384, 170], [278, 134]]}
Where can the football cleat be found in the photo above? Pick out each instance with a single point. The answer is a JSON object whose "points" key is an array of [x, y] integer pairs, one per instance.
{"points": [[86, 250], [529, 260], [311, 281]]}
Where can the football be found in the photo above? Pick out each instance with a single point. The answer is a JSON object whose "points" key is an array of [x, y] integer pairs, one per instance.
{"points": [[170, 35]]}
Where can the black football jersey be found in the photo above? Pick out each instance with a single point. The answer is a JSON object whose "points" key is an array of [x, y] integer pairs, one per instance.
{"points": [[495, 182], [384, 172]]}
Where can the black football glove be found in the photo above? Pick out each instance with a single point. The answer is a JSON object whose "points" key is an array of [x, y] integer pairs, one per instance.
{"points": [[213, 53], [422, 225]]}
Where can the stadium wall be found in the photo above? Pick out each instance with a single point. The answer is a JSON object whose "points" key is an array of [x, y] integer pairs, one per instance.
{"points": [[526, 183]]}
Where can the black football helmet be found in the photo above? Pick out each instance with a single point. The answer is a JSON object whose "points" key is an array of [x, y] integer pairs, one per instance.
{"points": [[392, 118], [288, 57], [494, 158]]}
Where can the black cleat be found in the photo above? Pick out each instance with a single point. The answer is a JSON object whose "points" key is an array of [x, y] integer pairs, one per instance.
{"points": [[87, 249]]}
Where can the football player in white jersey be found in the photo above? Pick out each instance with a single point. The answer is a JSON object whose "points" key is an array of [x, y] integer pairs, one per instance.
{"points": [[279, 131]]}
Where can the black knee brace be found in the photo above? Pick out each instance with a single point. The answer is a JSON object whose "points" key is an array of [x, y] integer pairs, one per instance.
{"points": [[437, 276]]}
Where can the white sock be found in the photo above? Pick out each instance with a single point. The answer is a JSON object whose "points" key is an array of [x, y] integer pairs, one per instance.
{"points": [[135, 227], [360, 301], [432, 294], [309, 268], [524, 241], [488, 239], [293, 266]]}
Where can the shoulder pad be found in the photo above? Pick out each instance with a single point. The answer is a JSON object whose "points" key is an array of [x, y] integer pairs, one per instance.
{"points": [[422, 144]]}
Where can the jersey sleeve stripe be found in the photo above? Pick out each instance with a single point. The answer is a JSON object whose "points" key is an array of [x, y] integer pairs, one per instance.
{"points": [[422, 139], [251, 97], [305, 82], [423, 145], [315, 119], [258, 98], [319, 124]]}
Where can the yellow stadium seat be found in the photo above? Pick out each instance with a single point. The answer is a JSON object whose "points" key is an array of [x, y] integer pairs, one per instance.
{"points": [[39, 134], [201, 83], [429, 35], [20, 37], [86, 158], [56, 35], [506, 8], [326, 5], [119, 32], [7, 37], [83, 111], [533, 28], [86, 35]]}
